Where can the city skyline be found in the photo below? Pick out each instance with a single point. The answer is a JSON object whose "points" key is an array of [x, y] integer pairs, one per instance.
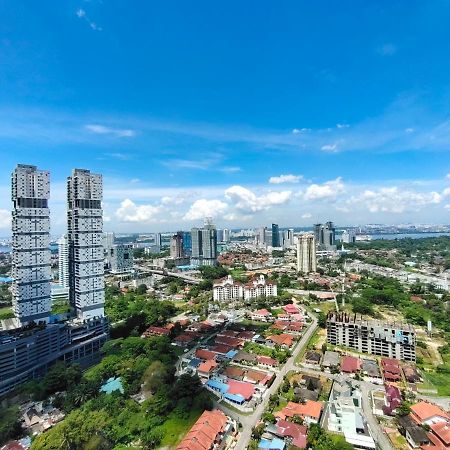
{"points": [[191, 114]]}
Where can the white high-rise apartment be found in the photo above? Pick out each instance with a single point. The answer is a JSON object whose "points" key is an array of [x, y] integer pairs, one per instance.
{"points": [[63, 260], [31, 268], [86, 259], [306, 253], [226, 235]]}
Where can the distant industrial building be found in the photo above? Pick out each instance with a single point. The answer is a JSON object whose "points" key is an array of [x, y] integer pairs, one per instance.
{"points": [[373, 337], [306, 253]]}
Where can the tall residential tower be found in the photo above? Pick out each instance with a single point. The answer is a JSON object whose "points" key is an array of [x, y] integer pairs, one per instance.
{"points": [[31, 268], [85, 223], [306, 253]]}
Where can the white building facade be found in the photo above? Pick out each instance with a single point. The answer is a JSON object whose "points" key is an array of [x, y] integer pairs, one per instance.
{"points": [[227, 289], [31, 267], [86, 258], [259, 288], [63, 261]]}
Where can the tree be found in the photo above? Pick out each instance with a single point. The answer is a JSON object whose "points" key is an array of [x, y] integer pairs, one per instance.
{"points": [[10, 427], [155, 376], [258, 431], [403, 409], [141, 289], [324, 347]]}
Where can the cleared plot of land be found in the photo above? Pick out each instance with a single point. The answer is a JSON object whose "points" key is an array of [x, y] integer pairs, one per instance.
{"points": [[175, 428]]}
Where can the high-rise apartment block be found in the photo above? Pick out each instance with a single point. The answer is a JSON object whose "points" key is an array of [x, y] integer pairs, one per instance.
{"points": [[306, 253], [86, 259], [63, 260], [31, 268], [35, 339], [204, 245], [390, 340], [176, 245], [348, 237], [226, 235]]}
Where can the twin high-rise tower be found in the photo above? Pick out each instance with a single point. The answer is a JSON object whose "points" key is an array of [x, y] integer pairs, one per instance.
{"points": [[31, 238]]}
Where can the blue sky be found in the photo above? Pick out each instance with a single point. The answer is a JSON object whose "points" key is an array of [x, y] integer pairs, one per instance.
{"points": [[250, 112]]}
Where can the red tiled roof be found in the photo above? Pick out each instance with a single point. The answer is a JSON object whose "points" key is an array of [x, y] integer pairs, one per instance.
{"points": [[423, 410], [390, 362], [297, 432], [267, 360], [241, 388], [350, 364], [204, 432], [157, 330], [207, 366], [234, 372], [291, 309], [442, 431], [308, 409], [282, 339], [221, 348], [229, 333], [262, 312], [226, 340], [202, 353]]}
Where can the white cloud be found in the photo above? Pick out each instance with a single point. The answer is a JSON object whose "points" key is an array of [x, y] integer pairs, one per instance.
{"points": [[394, 200], [409, 130], [300, 130], [205, 208], [387, 49], [131, 212], [5, 219], [247, 201], [285, 179], [231, 169], [81, 14], [447, 206], [101, 129], [306, 216], [448, 176], [342, 125], [446, 192], [328, 190], [329, 148]]}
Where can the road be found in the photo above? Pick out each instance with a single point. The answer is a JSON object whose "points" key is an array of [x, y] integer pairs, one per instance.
{"points": [[250, 420]]}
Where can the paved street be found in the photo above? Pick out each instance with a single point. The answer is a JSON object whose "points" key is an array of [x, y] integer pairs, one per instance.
{"points": [[250, 420]]}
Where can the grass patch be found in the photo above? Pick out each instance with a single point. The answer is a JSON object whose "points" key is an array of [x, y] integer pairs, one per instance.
{"points": [[440, 381], [175, 428], [6, 313]]}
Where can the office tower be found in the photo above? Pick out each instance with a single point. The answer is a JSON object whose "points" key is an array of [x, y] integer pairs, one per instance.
{"points": [[288, 238], [261, 236], [31, 268], [158, 240], [187, 242], [226, 235], [373, 337], [348, 237], [176, 245], [306, 253], [318, 234], [275, 235], [329, 236], [63, 260], [86, 258], [204, 245]]}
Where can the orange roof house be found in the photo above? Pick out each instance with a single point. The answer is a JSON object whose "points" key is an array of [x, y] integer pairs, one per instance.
{"points": [[428, 413], [206, 432], [206, 368], [284, 339], [309, 411]]}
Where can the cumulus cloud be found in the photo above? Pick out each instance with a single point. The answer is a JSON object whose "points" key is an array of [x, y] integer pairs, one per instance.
{"points": [[5, 219], [205, 208], [247, 201], [448, 176], [342, 125], [394, 200], [117, 132], [409, 130], [328, 190], [131, 212], [285, 179], [446, 192], [300, 130], [306, 216]]}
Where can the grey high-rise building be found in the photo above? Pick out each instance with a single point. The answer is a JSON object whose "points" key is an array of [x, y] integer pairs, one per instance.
{"points": [[31, 269], [86, 258], [306, 253], [204, 245], [325, 235], [275, 235], [176, 245], [226, 235]]}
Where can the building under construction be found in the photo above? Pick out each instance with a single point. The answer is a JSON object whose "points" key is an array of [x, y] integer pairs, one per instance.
{"points": [[391, 340]]}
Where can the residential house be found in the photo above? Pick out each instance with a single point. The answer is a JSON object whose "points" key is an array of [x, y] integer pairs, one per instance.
{"points": [[309, 411], [261, 315], [428, 413]]}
